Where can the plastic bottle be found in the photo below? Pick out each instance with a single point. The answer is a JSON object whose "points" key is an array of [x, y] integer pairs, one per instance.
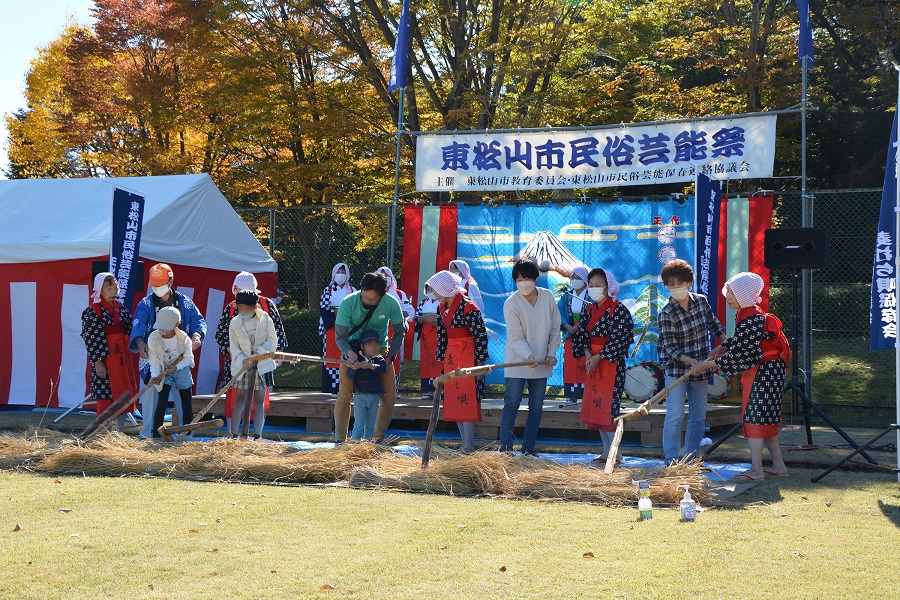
{"points": [[645, 509], [645, 506], [687, 505]]}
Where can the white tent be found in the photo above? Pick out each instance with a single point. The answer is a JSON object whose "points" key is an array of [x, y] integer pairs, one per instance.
{"points": [[187, 221], [50, 232]]}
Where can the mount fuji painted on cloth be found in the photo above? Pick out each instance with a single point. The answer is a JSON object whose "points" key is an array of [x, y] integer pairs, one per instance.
{"points": [[621, 237]]}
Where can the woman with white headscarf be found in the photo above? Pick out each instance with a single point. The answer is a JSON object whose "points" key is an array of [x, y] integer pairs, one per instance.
{"points": [[406, 307], [462, 343], [426, 327], [105, 327], [759, 351], [461, 269], [337, 289], [571, 305], [245, 281], [603, 336]]}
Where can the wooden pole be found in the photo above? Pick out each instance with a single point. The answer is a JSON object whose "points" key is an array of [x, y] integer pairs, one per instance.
{"points": [[110, 413], [439, 389], [641, 411], [166, 432], [248, 405], [295, 358], [116, 409]]}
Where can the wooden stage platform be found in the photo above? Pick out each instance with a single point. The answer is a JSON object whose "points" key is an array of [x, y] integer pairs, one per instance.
{"points": [[316, 411]]}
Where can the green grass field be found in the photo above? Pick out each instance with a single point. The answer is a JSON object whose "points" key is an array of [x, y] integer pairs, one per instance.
{"points": [[155, 538]]}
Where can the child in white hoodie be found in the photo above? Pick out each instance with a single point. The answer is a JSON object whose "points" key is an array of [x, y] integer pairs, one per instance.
{"points": [[166, 345], [251, 332]]}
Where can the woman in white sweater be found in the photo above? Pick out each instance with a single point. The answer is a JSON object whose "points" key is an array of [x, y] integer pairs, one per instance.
{"points": [[532, 335]]}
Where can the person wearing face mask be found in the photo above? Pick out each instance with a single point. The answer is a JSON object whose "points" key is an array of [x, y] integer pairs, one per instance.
{"points": [[602, 338], [462, 342], [105, 326], [371, 308], [426, 327], [251, 332], [244, 281], [685, 324], [406, 308], [162, 293], [532, 335], [571, 306], [461, 269], [338, 288]]}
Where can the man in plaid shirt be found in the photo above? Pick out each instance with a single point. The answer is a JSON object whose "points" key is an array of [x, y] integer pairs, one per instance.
{"points": [[684, 327]]}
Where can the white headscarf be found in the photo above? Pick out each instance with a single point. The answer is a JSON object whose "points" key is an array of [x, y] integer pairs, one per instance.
{"points": [[612, 286], [98, 285], [339, 292], [391, 280], [246, 281], [444, 283], [746, 287], [578, 296], [336, 268], [465, 271]]}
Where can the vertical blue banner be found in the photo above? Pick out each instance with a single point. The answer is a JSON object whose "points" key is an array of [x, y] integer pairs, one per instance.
{"points": [[709, 196], [400, 62], [125, 250], [633, 240], [883, 312]]}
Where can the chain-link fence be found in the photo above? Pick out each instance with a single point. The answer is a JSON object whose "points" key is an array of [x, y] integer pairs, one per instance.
{"points": [[307, 242], [849, 382]]}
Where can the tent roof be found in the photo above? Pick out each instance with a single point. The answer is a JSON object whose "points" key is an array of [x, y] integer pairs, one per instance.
{"points": [[187, 221]]}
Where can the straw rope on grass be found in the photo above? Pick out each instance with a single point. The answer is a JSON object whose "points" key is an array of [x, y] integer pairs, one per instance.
{"points": [[499, 474], [358, 464], [223, 459]]}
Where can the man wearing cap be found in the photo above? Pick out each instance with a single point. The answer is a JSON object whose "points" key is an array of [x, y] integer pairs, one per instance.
{"points": [[161, 295], [371, 308]]}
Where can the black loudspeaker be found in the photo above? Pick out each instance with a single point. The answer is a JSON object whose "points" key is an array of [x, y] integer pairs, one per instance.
{"points": [[99, 266], [797, 248]]}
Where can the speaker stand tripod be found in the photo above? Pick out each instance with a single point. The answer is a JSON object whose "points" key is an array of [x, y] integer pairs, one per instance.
{"points": [[798, 389]]}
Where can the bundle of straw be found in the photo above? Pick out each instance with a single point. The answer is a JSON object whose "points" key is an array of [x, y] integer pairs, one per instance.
{"points": [[361, 465]]}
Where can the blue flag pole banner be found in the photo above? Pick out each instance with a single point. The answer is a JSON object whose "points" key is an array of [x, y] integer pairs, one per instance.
{"points": [[634, 241], [805, 43], [735, 147], [400, 62], [883, 312], [709, 196], [125, 250]]}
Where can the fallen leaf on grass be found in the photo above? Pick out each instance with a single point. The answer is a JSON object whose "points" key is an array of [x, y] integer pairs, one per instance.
{"points": [[213, 550], [57, 481], [273, 572], [416, 520], [17, 527], [804, 498], [326, 586], [798, 554], [28, 563], [444, 547], [503, 569], [150, 586], [828, 505], [218, 520], [193, 531], [75, 535], [65, 510], [204, 525], [588, 555]]}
